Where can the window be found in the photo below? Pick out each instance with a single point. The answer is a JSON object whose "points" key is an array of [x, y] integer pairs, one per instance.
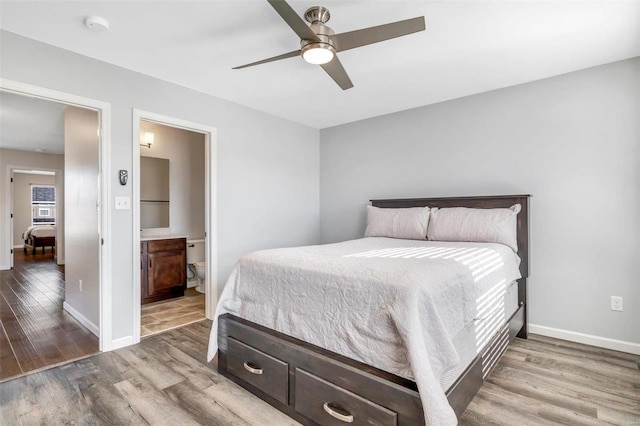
{"points": [[43, 205]]}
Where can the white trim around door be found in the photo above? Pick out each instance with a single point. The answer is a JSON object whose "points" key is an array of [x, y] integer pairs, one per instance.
{"points": [[211, 217], [104, 111], [11, 169]]}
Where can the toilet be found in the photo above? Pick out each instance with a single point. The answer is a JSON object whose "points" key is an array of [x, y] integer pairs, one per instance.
{"points": [[196, 263]]}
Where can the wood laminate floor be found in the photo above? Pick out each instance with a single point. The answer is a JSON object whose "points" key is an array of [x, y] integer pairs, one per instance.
{"points": [[545, 381], [168, 314], [35, 332], [165, 380]]}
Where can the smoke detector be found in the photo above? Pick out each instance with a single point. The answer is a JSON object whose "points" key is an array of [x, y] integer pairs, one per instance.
{"points": [[96, 23]]}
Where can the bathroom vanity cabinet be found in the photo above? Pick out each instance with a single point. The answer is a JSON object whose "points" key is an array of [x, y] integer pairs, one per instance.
{"points": [[163, 269]]}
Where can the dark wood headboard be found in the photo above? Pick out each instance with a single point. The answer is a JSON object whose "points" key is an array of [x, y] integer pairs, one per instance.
{"points": [[483, 202]]}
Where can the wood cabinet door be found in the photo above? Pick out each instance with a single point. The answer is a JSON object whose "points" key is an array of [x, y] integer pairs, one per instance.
{"points": [[165, 271]]}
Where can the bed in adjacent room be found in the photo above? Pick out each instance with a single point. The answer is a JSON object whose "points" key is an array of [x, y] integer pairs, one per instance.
{"points": [[398, 330], [39, 236]]}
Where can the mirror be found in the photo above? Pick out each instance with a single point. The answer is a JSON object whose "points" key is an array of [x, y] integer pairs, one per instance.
{"points": [[154, 192]]}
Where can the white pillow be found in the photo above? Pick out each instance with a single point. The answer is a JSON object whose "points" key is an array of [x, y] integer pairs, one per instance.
{"points": [[477, 225], [408, 223]]}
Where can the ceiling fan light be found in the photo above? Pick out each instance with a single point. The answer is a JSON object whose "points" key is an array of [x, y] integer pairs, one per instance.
{"points": [[318, 53]]}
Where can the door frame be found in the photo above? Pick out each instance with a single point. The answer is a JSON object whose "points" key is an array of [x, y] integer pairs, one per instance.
{"points": [[105, 326], [211, 204], [10, 193]]}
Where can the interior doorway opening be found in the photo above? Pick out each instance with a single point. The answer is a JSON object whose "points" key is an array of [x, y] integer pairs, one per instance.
{"points": [[43, 281], [172, 227], [34, 209], [174, 209]]}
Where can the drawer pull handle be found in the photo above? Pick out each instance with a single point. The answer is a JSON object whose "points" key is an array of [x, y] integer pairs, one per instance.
{"points": [[252, 369], [332, 410]]}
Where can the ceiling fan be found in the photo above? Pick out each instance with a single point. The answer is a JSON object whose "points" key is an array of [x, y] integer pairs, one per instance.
{"points": [[319, 44]]}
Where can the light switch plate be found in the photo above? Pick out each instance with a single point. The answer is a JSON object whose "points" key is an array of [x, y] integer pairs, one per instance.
{"points": [[123, 203]]}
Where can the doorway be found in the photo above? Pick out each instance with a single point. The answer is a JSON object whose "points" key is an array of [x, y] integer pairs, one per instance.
{"points": [[34, 197], [185, 210], [46, 319], [84, 297]]}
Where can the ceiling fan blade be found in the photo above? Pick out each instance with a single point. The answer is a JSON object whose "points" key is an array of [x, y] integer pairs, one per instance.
{"points": [[337, 72], [365, 36], [293, 20], [275, 58]]}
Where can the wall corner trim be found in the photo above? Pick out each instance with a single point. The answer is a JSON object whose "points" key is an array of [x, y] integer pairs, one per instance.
{"points": [[83, 320], [587, 339]]}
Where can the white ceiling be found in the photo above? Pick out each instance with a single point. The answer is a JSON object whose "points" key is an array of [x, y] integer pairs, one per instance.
{"points": [[31, 124], [468, 47]]}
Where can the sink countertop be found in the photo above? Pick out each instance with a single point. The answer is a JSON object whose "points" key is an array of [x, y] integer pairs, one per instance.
{"points": [[161, 237]]}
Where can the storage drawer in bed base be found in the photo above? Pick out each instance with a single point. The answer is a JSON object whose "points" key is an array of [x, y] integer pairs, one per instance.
{"points": [[384, 391]]}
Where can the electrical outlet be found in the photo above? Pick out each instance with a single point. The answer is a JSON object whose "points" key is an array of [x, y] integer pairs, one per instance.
{"points": [[80, 287], [616, 303]]}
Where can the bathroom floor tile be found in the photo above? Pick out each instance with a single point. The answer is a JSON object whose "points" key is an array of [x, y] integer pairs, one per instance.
{"points": [[165, 315]]}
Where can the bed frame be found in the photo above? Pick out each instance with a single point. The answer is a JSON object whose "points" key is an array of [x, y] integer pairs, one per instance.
{"points": [[295, 376], [34, 242]]}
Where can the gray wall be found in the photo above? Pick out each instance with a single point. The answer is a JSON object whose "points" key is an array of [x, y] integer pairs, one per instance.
{"points": [[81, 232], [22, 201], [11, 158], [573, 141], [267, 167]]}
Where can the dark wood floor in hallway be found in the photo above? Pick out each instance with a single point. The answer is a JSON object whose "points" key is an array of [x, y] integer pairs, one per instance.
{"points": [[165, 380], [35, 332]]}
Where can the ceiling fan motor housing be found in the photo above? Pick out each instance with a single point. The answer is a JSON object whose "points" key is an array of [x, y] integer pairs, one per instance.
{"points": [[318, 16], [324, 33]]}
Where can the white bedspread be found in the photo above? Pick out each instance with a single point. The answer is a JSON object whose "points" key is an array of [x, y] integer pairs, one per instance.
{"points": [[39, 231], [393, 304]]}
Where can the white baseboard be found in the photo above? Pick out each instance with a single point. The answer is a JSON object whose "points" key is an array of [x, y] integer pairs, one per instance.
{"points": [[120, 343], [587, 339], [83, 320], [19, 246], [4, 267]]}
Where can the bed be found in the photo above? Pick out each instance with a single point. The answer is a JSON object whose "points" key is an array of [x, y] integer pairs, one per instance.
{"points": [[39, 236], [326, 366]]}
